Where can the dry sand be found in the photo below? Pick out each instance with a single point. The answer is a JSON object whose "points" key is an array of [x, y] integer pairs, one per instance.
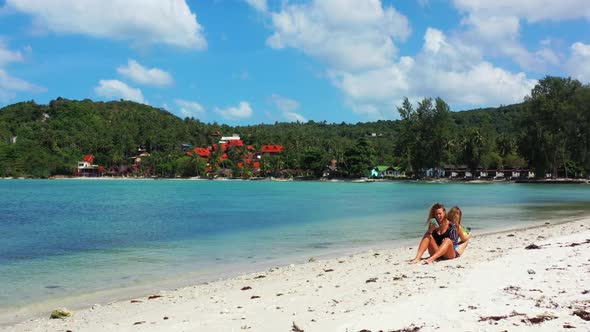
{"points": [[497, 285]]}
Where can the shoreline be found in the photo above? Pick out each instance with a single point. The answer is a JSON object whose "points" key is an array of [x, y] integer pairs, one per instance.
{"points": [[326, 180], [294, 282], [181, 279]]}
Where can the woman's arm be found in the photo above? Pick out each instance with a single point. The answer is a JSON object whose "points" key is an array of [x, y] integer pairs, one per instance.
{"points": [[464, 236], [432, 227]]}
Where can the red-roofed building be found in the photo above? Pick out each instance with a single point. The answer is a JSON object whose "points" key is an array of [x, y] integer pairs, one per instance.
{"points": [[87, 169], [246, 154], [203, 152], [272, 148]]}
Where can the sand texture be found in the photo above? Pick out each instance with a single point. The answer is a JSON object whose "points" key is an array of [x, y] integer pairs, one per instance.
{"points": [[497, 285]]}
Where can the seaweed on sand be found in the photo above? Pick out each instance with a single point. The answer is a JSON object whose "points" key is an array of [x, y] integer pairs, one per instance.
{"points": [[296, 328], [585, 315]]}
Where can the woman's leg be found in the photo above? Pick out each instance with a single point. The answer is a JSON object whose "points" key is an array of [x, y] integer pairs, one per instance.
{"points": [[445, 250], [425, 244], [432, 246], [462, 246]]}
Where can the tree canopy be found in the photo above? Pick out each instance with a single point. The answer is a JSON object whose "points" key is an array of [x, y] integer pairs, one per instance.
{"points": [[548, 132]]}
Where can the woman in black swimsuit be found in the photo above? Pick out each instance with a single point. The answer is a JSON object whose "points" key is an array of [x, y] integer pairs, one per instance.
{"points": [[440, 241]]}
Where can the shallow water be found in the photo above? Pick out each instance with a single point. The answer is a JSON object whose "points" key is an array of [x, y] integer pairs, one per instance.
{"points": [[63, 238]]}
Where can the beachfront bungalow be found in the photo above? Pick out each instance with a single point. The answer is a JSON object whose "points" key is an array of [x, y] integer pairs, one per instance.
{"points": [[457, 172], [331, 170], [512, 173], [519, 174], [435, 172], [87, 169], [499, 174], [387, 172]]}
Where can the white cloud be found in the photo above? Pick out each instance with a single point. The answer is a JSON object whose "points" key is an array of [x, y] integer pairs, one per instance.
{"points": [[287, 107], [357, 48], [242, 111], [140, 74], [482, 84], [500, 36], [376, 84], [117, 89], [459, 74], [369, 110], [7, 55], [140, 21], [294, 117], [345, 34], [578, 65], [10, 85], [494, 26], [284, 104], [190, 108], [259, 5], [531, 10]]}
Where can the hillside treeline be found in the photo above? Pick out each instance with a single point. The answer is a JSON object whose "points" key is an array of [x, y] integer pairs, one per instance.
{"points": [[548, 132]]}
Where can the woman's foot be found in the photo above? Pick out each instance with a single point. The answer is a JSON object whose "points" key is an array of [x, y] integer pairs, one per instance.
{"points": [[415, 260], [429, 261]]}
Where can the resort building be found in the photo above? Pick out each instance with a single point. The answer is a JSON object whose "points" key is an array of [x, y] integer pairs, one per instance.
{"points": [[87, 169], [387, 172], [234, 145]]}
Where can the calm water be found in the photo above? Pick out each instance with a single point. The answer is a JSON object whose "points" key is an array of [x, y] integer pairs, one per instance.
{"points": [[71, 237]]}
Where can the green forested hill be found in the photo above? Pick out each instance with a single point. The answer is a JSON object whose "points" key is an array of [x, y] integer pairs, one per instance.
{"points": [[44, 140]]}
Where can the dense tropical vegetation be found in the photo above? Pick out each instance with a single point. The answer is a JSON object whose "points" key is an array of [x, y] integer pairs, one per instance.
{"points": [[548, 132]]}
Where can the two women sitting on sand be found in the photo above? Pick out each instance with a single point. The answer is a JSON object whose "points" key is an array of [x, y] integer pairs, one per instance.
{"points": [[442, 239]]}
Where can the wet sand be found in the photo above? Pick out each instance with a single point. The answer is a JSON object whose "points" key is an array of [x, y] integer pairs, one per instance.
{"points": [[496, 285]]}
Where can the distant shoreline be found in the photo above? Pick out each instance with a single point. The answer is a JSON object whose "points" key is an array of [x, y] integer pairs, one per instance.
{"points": [[355, 180]]}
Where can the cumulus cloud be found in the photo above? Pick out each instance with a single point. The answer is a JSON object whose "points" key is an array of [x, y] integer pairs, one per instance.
{"points": [[578, 65], [10, 85], [190, 108], [116, 89], [7, 55], [140, 74], [259, 5], [500, 36], [531, 10], [458, 73], [494, 26], [345, 39], [242, 111], [361, 59], [287, 107], [376, 84], [140, 21]]}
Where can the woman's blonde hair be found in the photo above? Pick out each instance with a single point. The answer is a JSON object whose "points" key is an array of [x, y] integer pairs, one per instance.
{"points": [[433, 208], [455, 215]]}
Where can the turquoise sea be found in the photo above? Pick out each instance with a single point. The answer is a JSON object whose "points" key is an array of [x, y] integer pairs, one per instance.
{"points": [[78, 239]]}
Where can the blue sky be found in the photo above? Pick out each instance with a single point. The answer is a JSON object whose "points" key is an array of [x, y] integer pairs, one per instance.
{"points": [[260, 61]]}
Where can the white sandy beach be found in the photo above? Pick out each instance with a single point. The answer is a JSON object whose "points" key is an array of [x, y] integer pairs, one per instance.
{"points": [[497, 285]]}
